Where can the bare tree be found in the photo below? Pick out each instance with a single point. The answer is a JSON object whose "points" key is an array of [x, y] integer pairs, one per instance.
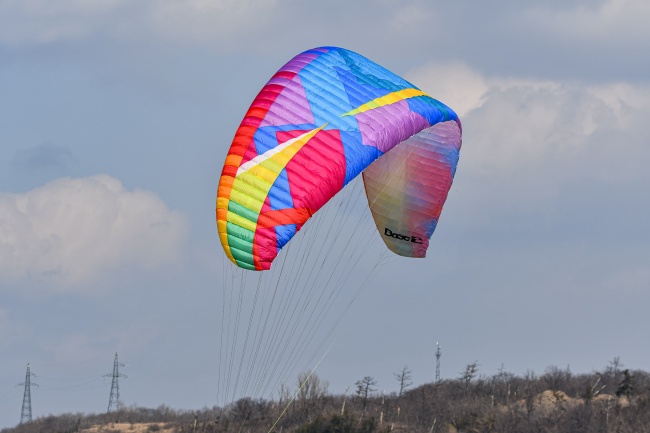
{"points": [[612, 374], [284, 396], [469, 373], [404, 379], [365, 387], [556, 379], [615, 365], [311, 391]]}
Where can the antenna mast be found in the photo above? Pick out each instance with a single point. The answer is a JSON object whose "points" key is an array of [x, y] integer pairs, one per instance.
{"points": [[438, 356], [114, 399]]}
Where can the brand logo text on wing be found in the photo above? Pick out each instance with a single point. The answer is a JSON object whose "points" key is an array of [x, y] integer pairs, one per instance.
{"points": [[415, 239]]}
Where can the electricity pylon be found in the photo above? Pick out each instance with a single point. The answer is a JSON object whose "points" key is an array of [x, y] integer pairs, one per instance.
{"points": [[26, 412], [114, 399]]}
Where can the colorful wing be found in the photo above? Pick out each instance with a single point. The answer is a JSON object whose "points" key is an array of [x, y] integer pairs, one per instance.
{"points": [[407, 187], [319, 122]]}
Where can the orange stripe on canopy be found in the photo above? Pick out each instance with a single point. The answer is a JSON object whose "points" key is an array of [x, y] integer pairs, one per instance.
{"points": [[283, 217]]}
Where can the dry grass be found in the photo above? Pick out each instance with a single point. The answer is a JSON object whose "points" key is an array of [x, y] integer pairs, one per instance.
{"points": [[129, 428]]}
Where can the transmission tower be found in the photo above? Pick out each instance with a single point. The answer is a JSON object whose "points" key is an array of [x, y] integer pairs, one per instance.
{"points": [[438, 356], [114, 399], [26, 412]]}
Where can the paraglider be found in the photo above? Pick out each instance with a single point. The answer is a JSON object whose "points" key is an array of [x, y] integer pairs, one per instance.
{"points": [[326, 116]]}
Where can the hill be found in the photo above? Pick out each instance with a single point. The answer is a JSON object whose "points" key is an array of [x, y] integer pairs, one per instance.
{"points": [[557, 401]]}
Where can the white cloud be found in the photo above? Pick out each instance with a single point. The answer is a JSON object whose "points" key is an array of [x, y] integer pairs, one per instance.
{"points": [[627, 19], [513, 123], [530, 122], [73, 232], [44, 22], [526, 141], [454, 84], [411, 16], [207, 20], [627, 102], [527, 124]]}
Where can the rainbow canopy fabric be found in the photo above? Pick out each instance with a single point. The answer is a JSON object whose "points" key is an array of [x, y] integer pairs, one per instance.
{"points": [[322, 119]]}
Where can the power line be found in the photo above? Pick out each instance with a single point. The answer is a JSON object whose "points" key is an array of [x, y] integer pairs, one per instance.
{"points": [[26, 411], [114, 399]]}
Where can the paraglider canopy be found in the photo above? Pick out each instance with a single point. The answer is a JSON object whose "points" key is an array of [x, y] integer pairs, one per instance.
{"points": [[323, 118]]}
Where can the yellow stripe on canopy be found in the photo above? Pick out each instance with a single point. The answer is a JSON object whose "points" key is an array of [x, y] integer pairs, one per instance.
{"points": [[388, 99]]}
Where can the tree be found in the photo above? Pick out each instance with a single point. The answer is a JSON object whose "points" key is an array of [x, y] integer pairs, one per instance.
{"points": [[626, 388], [557, 379], [365, 387], [404, 379], [284, 395], [311, 391], [593, 390], [612, 374], [470, 373]]}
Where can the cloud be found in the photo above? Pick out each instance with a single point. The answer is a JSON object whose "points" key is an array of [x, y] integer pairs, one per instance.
{"points": [[454, 84], [43, 22], [40, 22], [411, 15], [513, 123], [627, 19], [542, 148], [551, 39], [524, 124], [206, 20], [71, 233]]}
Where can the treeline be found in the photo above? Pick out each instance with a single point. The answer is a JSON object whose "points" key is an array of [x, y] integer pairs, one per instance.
{"points": [[614, 400]]}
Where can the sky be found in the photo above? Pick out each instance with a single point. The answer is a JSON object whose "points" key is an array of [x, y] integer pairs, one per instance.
{"points": [[115, 119]]}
